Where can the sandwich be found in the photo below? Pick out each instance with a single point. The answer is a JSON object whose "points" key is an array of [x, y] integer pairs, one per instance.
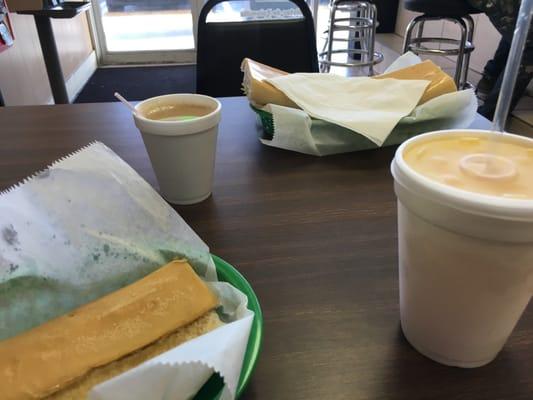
{"points": [[65, 357], [260, 92], [440, 82], [256, 87]]}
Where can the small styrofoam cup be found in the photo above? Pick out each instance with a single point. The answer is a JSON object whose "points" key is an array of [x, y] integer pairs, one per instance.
{"points": [[465, 262], [182, 152]]}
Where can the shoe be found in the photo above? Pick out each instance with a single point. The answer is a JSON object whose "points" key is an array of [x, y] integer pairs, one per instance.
{"points": [[485, 86]]}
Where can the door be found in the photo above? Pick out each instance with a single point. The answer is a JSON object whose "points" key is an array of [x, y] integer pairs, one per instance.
{"points": [[145, 31], [153, 31]]}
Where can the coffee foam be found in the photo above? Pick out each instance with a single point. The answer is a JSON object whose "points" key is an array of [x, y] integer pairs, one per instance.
{"points": [[475, 164], [176, 112]]}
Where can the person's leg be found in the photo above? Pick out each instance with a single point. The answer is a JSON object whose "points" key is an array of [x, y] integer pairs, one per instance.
{"points": [[496, 65], [503, 15], [493, 69], [489, 106], [525, 74]]}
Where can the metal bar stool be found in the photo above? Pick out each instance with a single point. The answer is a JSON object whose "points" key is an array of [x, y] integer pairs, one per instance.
{"points": [[360, 25], [456, 11]]}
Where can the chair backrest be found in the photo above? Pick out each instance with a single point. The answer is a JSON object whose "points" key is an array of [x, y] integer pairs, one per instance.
{"points": [[287, 44]]}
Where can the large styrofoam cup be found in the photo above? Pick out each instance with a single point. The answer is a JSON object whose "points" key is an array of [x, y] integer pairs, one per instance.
{"points": [[465, 263], [182, 152]]}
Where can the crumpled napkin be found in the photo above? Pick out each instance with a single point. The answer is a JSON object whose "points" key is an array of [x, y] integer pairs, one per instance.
{"points": [[370, 107]]}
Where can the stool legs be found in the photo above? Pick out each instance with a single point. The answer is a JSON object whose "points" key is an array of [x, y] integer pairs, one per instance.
{"points": [[420, 32], [360, 27], [409, 32], [470, 40], [372, 39], [463, 49], [460, 56], [329, 42]]}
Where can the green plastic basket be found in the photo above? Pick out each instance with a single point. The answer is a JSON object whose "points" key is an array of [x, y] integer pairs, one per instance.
{"points": [[401, 132], [267, 121], [213, 387]]}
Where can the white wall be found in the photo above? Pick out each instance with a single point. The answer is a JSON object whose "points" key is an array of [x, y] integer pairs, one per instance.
{"points": [[23, 79]]}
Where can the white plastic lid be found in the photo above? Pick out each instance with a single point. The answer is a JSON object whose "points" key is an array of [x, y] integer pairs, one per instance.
{"points": [[470, 202]]}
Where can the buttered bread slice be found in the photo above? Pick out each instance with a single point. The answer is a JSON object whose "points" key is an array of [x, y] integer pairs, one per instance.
{"points": [[65, 357]]}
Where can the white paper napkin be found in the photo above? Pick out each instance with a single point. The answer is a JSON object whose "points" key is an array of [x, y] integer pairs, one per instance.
{"points": [[370, 107], [179, 373], [405, 60]]}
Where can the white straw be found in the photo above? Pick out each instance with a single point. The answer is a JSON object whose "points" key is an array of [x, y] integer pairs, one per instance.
{"points": [[513, 64], [125, 102]]}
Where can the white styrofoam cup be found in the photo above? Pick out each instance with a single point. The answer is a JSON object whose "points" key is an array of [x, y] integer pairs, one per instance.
{"points": [[465, 262], [182, 152]]}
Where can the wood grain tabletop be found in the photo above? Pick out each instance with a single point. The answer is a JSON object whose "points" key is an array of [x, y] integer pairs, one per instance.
{"points": [[316, 238]]}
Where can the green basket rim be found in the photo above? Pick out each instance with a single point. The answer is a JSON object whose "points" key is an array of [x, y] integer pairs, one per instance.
{"points": [[227, 273]]}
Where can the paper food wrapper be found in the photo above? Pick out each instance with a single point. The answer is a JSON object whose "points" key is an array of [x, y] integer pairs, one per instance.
{"points": [[370, 107], [88, 225], [295, 130]]}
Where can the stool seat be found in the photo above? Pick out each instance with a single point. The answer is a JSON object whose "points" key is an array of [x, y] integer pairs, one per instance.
{"points": [[441, 8], [349, 1]]}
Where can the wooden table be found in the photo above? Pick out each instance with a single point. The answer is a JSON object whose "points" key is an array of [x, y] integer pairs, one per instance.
{"points": [[316, 237]]}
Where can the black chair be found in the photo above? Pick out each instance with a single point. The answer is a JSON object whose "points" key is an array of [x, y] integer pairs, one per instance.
{"points": [[456, 11], [2, 104], [287, 44]]}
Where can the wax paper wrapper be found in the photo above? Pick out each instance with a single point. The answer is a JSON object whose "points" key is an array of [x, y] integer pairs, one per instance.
{"points": [[293, 129], [88, 225]]}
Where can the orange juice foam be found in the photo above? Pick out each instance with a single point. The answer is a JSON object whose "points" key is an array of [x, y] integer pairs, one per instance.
{"points": [[475, 164]]}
